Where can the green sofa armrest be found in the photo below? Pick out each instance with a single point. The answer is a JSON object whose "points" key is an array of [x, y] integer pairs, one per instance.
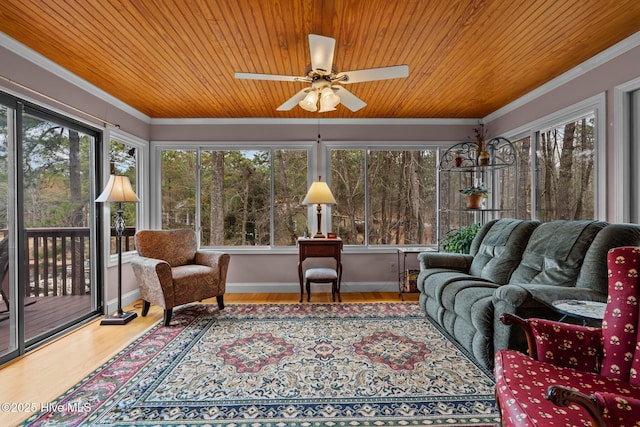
{"points": [[459, 262], [547, 294]]}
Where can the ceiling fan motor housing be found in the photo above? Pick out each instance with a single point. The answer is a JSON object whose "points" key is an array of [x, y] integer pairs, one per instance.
{"points": [[320, 81]]}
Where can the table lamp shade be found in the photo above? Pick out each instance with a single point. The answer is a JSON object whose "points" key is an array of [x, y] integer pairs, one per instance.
{"points": [[319, 192], [118, 189]]}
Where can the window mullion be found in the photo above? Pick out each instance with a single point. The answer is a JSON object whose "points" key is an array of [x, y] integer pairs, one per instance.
{"points": [[198, 196]]}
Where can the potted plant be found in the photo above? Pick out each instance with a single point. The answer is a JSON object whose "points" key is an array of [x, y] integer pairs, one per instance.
{"points": [[459, 240], [475, 195]]}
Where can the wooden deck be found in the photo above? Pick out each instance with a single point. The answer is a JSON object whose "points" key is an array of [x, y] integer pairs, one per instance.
{"points": [[44, 313]]}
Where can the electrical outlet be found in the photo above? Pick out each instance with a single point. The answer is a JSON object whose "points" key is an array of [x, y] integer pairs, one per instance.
{"points": [[393, 267]]}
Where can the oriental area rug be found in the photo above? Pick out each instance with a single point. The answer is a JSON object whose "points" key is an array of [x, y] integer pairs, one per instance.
{"points": [[284, 365]]}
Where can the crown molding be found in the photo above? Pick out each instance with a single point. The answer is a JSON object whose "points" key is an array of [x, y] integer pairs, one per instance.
{"points": [[61, 72], [276, 121], [590, 64]]}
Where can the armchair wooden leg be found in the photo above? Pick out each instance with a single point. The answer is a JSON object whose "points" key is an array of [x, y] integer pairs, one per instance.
{"points": [[145, 307], [167, 316], [220, 299]]}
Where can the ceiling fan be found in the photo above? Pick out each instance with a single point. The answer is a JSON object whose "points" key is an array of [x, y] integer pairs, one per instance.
{"points": [[323, 77]]}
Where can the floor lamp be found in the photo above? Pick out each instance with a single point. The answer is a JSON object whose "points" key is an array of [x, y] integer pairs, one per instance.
{"points": [[319, 193], [118, 190]]}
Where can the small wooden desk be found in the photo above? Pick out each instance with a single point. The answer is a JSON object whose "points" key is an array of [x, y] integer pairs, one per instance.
{"points": [[319, 248]]}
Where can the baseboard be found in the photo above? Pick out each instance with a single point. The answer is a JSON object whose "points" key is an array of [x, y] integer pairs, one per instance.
{"points": [[128, 298], [290, 288], [274, 288]]}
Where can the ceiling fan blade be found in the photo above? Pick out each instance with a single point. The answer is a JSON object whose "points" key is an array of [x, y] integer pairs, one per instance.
{"points": [[254, 76], [293, 101], [321, 52], [371, 74], [348, 99]]}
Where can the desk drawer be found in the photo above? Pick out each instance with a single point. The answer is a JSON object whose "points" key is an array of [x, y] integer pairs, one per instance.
{"points": [[320, 250]]}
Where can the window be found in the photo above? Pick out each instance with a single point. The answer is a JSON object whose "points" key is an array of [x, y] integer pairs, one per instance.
{"points": [[178, 188], [242, 197], [562, 164], [523, 177], [123, 160], [565, 170], [384, 197]]}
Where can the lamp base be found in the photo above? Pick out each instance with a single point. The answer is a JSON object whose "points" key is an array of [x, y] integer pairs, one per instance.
{"points": [[119, 319]]}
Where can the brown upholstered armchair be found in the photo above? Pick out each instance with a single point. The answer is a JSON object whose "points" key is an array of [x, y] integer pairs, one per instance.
{"points": [[171, 271]]}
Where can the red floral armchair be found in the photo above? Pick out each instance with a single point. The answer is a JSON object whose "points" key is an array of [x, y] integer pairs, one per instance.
{"points": [[577, 375]]}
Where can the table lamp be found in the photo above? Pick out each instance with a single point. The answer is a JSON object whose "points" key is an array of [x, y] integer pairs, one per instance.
{"points": [[319, 193], [118, 190]]}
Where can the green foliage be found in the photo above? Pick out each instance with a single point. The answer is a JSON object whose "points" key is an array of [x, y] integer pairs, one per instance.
{"points": [[56, 171], [479, 189], [459, 240]]}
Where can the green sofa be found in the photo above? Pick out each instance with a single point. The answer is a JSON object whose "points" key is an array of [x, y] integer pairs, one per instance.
{"points": [[519, 267]]}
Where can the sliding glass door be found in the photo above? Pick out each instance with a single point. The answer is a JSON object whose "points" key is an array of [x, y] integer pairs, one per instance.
{"points": [[8, 317], [57, 171], [47, 166]]}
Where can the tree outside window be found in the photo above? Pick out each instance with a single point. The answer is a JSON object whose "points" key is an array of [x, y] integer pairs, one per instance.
{"points": [[565, 173], [384, 197], [123, 161], [248, 197]]}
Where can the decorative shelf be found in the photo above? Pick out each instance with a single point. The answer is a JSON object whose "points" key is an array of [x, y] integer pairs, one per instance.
{"points": [[502, 154], [460, 168]]}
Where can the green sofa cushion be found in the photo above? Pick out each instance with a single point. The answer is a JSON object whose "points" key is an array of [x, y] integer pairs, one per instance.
{"points": [[593, 274], [500, 251], [555, 252]]}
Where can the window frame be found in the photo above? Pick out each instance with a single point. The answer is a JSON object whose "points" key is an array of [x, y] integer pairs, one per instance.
{"points": [[142, 156], [436, 146], [596, 105], [156, 149], [626, 100]]}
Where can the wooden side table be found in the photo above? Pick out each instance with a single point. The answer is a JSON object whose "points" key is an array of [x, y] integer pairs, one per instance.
{"points": [[319, 248]]}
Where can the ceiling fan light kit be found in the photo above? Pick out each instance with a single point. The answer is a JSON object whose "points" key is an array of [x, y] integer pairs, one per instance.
{"points": [[322, 78], [309, 102], [320, 91]]}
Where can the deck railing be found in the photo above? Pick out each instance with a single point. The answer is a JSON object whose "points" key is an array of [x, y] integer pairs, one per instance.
{"points": [[57, 260]]}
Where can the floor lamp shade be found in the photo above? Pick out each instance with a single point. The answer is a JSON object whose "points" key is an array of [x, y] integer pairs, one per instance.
{"points": [[319, 193], [118, 190]]}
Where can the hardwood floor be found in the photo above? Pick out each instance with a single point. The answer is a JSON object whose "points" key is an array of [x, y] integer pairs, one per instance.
{"points": [[45, 373], [43, 313]]}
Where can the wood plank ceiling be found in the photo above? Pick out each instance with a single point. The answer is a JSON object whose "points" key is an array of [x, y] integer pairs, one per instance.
{"points": [[176, 59]]}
